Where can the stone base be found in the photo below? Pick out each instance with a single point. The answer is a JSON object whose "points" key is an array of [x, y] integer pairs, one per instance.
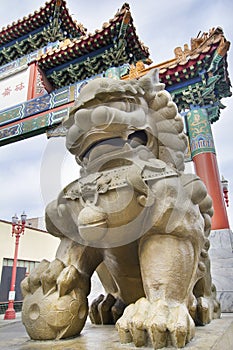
{"points": [[221, 255], [218, 335]]}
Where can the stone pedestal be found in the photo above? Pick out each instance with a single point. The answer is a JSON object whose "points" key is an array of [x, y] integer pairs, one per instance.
{"points": [[221, 255], [218, 335]]}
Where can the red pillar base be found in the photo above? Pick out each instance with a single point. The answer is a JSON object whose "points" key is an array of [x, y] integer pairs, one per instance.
{"points": [[10, 312]]}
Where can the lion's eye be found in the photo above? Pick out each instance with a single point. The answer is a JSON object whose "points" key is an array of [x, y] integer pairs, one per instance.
{"points": [[127, 104], [119, 105]]}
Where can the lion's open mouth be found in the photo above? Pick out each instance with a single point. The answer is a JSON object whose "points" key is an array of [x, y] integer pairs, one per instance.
{"points": [[102, 147]]}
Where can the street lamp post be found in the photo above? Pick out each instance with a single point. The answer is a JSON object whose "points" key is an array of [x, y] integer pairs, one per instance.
{"points": [[17, 229]]}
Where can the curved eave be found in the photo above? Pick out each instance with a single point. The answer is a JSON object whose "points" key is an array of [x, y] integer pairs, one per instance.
{"points": [[176, 71], [39, 19], [182, 72], [199, 76], [193, 67], [85, 67], [108, 35]]}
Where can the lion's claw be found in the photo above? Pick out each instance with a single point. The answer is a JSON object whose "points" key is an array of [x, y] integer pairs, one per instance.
{"points": [[162, 323]]}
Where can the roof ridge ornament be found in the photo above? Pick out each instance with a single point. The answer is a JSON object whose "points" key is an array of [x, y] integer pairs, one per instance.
{"points": [[202, 40]]}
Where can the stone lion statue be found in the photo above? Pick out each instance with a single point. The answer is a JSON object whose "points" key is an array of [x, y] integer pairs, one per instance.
{"points": [[133, 216]]}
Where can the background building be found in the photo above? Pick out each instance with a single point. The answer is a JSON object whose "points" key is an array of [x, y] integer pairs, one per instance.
{"points": [[34, 246]]}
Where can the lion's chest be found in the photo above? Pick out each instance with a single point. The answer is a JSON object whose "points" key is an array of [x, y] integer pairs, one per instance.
{"points": [[117, 204]]}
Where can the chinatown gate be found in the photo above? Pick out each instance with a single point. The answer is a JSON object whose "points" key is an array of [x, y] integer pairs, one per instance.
{"points": [[46, 58]]}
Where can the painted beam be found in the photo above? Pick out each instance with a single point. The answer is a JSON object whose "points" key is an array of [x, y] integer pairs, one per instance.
{"points": [[34, 125], [33, 117]]}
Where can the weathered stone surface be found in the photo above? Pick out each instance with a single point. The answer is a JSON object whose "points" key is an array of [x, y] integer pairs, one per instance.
{"points": [[221, 253], [134, 217], [218, 335]]}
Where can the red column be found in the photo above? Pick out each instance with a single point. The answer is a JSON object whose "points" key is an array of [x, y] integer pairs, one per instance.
{"points": [[32, 81], [206, 168], [205, 162]]}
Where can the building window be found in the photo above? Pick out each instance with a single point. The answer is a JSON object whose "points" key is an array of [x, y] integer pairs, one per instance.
{"points": [[30, 265]]}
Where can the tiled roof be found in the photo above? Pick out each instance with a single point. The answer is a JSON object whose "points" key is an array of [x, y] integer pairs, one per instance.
{"points": [[39, 19], [44, 27], [200, 55], [69, 53], [117, 38], [197, 75], [201, 49]]}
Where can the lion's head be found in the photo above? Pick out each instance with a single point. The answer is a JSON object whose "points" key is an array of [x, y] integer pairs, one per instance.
{"points": [[117, 115]]}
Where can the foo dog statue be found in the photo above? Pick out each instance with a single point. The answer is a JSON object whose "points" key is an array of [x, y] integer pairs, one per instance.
{"points": [[134, 217]]}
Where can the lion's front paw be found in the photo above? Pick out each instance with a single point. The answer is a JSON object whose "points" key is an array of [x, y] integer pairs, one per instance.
{"points": [[54, 306], [160, 322]]}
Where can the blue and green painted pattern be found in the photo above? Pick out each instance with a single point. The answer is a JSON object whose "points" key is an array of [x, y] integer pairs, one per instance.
{"points": [[31, 126], [36, 115], [200, 134], [21, 63]]}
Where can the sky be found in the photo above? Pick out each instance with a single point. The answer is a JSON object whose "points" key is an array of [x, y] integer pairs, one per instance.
{"points": [[33, 171]]}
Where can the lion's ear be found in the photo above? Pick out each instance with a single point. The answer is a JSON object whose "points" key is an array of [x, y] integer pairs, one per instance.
{"points": [[150, 83], [152, 75], [149, 80]]}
